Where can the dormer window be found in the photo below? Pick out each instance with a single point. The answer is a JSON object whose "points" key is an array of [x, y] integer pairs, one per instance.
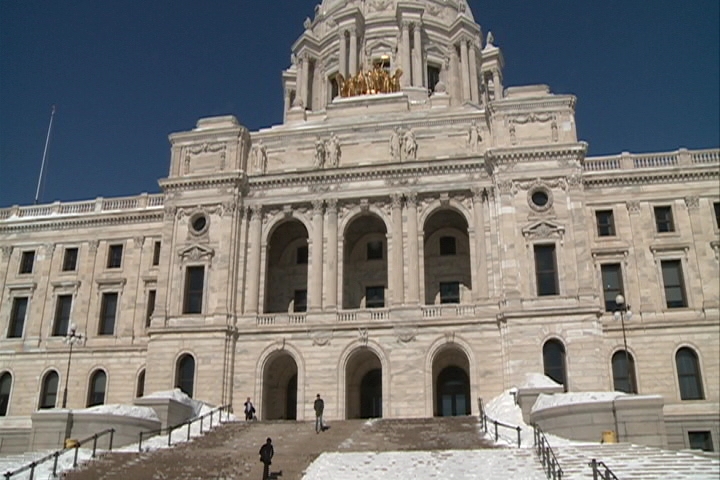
{"points": [[382, 62]]}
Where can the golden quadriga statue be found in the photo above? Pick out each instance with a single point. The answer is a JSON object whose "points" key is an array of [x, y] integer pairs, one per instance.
{"points": [[377, 80]]}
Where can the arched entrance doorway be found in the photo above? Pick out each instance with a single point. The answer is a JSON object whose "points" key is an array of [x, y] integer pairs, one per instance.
{"points": [[451, 384], [363, 374], [279, 396]]}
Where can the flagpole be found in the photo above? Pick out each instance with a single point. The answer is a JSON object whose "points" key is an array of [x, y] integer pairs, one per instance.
{"points": [[42, 165]]}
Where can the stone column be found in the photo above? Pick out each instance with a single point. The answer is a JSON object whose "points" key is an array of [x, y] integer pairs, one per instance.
{"points": [[316, 265], [412, 253], [305, 79], [479, 273], [405, 79], [331, 264], [343, 54], [497, 84], [397, 286], [417, 56], [464, 69], [353, 50], [474, 89], [299, 102], [253, 292]]}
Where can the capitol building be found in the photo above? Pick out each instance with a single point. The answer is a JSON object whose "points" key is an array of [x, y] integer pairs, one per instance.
{"points": [[415, 235]]}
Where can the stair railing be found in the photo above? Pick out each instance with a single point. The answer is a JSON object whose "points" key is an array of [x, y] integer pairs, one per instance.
{"points": [[484, 419], [549, 461], [601, 471], [56, 454], [169, 430]]}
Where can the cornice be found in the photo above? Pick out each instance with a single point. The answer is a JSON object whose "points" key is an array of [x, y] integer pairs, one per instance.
{"points": [[504, 155], [197, 182], [628, 178], [30, 224]]}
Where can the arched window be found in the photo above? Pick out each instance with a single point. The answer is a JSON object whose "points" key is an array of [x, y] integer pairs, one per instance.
{"points": [[48, 394], [96, 392], [5, 385], [554, 361], [624, 379], [185, 374], [140, 390], [688, 371]]}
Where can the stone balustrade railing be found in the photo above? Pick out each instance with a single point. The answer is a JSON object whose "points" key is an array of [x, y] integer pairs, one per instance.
{"points": [[630, 161], [99, 205]]}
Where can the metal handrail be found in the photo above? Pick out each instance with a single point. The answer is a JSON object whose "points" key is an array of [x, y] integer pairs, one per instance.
{"points": [[605, 474], [484, 423], [548, 459], [56, 454], [169, 430]]}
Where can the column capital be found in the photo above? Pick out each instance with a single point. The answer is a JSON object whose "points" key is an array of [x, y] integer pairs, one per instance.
{"points": [[411, 199], [396, 200], [317, 206], [256, 211], [405, 24], [331, 205]]}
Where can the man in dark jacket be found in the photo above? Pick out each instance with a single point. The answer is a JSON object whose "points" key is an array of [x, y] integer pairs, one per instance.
{"points": [[319, 406], [266, 453]]}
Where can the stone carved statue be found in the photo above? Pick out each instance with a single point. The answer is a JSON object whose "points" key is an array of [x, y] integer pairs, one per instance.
{"points": [[332, 151], [410, 145], [473, 136], [319, 153], [259, 158], [395, 145], [490, 39]]}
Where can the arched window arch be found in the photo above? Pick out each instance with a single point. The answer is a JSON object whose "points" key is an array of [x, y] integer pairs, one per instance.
{"points": [[624, 379], [185, 374], [48, 394], [140, 388], [688, 372], [5, 387], [96, 392], [554, 361]]}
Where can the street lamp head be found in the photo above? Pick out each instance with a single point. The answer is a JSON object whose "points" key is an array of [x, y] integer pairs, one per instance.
{"points": [[620, 300], [72, 329], [616, 315]]}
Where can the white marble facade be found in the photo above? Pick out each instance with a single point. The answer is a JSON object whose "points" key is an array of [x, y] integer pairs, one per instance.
{"points": [[402, 254]]}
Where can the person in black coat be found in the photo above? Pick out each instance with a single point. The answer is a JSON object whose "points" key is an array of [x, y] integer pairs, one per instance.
{"points": [[249, 410], [319, 407], [266, 454]]}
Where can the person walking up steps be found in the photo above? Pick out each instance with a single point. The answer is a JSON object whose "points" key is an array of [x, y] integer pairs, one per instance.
{"points": [[266, 453], [319, 406], [249, 410]]}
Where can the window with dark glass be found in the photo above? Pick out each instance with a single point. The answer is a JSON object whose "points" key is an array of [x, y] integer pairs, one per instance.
{"points": [[302, 255], [447, 246], [433, 77], [108, 311], [185, 374], [17, 317], [716, 207], [612, 284], [70, 259], [300, 301], [334, 88], [5, 386], [375, 297], [114, 259], [673, 283], [96, 392], [27, 260], [194, 285], [624, 377], [664, 219], [689, 378], [63, 306], [375, 250], [150, 308], [554, 361], [156, 254], [140, 390], [449, 292], [701, 441], [48, 394], [546, 270], [605, 223]]}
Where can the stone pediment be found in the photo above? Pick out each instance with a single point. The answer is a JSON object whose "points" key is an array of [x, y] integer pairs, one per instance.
{"points": [[543, 230], [194, 253]]}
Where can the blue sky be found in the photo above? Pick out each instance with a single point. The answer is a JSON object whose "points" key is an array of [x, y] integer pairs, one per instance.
{"points": [[125, 74]]}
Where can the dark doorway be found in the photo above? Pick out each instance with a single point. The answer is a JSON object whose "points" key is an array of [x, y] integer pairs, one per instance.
{"points": [[371, 394], [453, 393], [291, 398]]}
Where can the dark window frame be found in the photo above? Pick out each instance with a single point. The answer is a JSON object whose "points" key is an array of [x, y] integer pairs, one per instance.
{"points": [[194, 290], [375, 300], [48, 395], [16, 325], [664, 220], [624, 378], [300, 301], [156, 253], [546, 270], [150, 307], [451, 298], [605, 222], [687, 367], [448, 245], [6, 383], [555, 367], [115, 255], [27, 262], [700, 440], [108, 313], [63, 310], [610, 292], [671, 289], [96, 389], [716, 208], [70, 258], [140, 384], [185, 374], [372, 250], [302, 255]]}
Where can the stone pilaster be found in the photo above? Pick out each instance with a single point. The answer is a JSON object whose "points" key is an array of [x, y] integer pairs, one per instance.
{"points": [[253, 292], [397, 286], [405, 79], [331, 263], [412, 253], [479, 273], [464, 69], [316, 258], [417, 56]]}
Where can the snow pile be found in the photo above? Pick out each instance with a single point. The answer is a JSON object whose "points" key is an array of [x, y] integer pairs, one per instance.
{"points": [[180, 397], [538, 380], [145, 413], [558, 399]]}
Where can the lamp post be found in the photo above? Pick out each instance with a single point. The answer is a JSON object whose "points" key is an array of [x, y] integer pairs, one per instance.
{"points": [[71, 338], [623, 311]]}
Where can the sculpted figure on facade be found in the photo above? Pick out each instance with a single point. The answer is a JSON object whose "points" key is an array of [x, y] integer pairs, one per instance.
{"points": [[319, 153], [333, 150], [473, 136], [395, 144], [409, 145], [259, 158]]}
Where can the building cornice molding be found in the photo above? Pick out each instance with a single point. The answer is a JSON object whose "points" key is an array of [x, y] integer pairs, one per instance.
{"points": [[646, 177], [85, 221], [198, 182]]}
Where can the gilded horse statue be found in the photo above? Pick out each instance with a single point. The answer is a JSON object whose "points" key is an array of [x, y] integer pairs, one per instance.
{"points": [[372, 82]]}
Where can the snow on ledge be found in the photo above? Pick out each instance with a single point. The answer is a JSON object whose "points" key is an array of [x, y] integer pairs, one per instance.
{"points": [[559, 399], [538, 380], [146, 413]]}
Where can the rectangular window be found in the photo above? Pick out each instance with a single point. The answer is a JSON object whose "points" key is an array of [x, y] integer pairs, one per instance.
{"points": [[546, 270], [447, 246], [27, 261], [375, 250], [70, 260], [300, 301], [449, 292], [150, 308], [374, 297], [114, 259], [62, 315], [17, 317], [605, 223], [673, 283], [701, 441], [716, 206], [108, 311], [612, 284], [194, 285], [433, 77], [664, 219], [302, 255], [156, 254]]}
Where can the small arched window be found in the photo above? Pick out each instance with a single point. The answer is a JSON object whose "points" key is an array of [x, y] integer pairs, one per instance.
{"points": [[554, 361], [48, 394], [96, 392], [185, 374], [624, 379], [140, 390], [5, 386], [688, 372]]}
